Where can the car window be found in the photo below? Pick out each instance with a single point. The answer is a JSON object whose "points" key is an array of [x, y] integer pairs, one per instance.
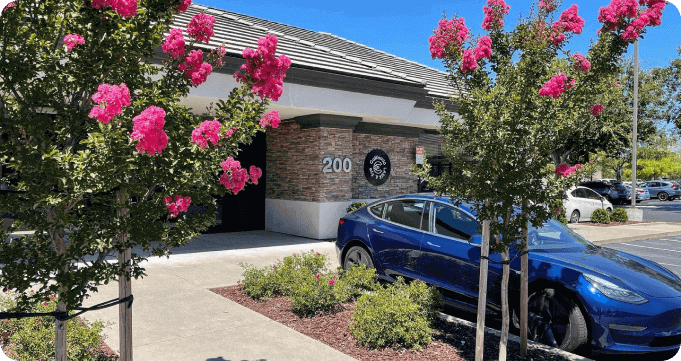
{"points": [[591, 194], [555, 235], [653, 184], [377, 210], [579, 193], [453, 222], [407, 213]]}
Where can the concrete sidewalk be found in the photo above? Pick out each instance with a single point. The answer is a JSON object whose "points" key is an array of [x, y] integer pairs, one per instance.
{"points": [[176, 317]]}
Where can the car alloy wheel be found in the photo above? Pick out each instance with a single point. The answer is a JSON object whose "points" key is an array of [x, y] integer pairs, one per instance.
{"points": [[555, 320], [357, 255], [663, 196], [574, 217]]}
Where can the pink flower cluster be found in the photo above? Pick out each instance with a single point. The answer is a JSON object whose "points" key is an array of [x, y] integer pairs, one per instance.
{"points": [[181, 204], [548, 5], [564, 170], [596, 109], [265, 70], [271, 118], [449, 33], [174, 44], [110, 100], [71, 40], [569, 21], [234, 178], [494, 14], [208, 131], [484, 48], [148, 129], [10, 5], [581, 63], [619, 13], [468, 62], [124, 8], [201, 27], [195, 68], [184, 4], [556, 86], [229, 132]]}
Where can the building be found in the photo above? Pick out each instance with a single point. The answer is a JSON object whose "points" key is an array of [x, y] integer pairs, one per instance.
{"points": [[352, 117]]}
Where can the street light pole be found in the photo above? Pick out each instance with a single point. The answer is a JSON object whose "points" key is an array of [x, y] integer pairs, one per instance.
{"points": [[634, 138]]}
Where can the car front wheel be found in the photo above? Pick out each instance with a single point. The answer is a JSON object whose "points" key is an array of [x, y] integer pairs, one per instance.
{"points": [[555, 320], [574, 217], [357, 255], [663, 196]]}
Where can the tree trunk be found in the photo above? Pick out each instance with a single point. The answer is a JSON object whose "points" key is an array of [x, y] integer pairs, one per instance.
{"points": [[60, 327], [60, 334], [124, 290], [482, 291], [523, 286], [505, 316]]}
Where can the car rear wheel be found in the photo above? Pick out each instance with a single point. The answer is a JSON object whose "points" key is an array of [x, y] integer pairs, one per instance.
{"points": [[357, 255], [663, 196], [555, 320], [574, 217]]}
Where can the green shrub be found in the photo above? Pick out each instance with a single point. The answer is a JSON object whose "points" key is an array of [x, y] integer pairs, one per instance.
{"points": [[619, 215], [353, 281], [355, 206], [31, 339], [258, 283], [313, 294], [558, 210], [600, 216], [397, 314]]}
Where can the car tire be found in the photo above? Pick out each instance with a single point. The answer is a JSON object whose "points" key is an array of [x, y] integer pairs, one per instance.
{"points": [[550, 310], [663, 196], [574, 217], [357, 255]]}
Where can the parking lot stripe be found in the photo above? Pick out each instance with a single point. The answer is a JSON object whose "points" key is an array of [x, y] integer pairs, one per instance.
{"points": [[659, 249]]}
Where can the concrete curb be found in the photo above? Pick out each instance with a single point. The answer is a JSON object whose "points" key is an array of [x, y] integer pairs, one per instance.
{"points": [[514, 338], [638, 238]]}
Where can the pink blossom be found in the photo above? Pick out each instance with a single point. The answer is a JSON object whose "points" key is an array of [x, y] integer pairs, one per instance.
{"points": [[200, 74], [71, 40], [194, 67], [571, 83], [256, 173], [582, 63], [124, 8], [167, 200], [45, 303], [238, 282], [110, 100], [449, 34], [468, 62], [331, 282], [235, 177], [10, 5], [494, 14], [229, 132], [596, 109], [484, 48], [555, 86], [318, 275], [207, 131], [564, 170], [184, 4], [174, 44], [230, 164], [263, 69], [557, 38], [630, 33], [569, 21], [148, 129], [271, 118], [549, 5], [201, 27], [51, 297]]}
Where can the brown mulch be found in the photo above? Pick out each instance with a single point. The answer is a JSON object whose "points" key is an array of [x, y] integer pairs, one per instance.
{"points": [[451, 341]]}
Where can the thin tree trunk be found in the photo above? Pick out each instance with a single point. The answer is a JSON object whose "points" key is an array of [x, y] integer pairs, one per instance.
{"points": [[482, 291], [505, 317], [523, 286], [60, 327], [124, 290]]}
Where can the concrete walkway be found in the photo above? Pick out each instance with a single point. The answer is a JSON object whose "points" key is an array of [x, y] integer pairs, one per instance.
{"points": [[625, 233]]}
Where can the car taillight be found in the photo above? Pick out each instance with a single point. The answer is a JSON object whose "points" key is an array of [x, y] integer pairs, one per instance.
{"points": [[673, 185], [640, 191], [341, 221]]}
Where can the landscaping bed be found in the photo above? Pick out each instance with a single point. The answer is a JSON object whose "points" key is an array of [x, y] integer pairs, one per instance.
{"points": [[451, 341]]}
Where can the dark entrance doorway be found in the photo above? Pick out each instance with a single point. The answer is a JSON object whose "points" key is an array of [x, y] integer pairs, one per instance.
{"points": [[245, 211]]}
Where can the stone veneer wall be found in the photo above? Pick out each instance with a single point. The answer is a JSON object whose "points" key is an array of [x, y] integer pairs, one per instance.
{"points": [[402, 154], [294, 163]]}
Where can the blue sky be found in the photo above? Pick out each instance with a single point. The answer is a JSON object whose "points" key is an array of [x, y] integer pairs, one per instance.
{"points": [[403, 27]]}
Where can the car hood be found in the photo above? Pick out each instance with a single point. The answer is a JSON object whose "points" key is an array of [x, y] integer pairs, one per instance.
{"points": [[641, 276]]}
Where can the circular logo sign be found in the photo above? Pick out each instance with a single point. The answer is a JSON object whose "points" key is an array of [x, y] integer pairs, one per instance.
{"points": [[377, 167]]}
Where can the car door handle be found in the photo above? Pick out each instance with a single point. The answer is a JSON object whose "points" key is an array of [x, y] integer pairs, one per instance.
{"points": [[376, 230], [433, 244]]}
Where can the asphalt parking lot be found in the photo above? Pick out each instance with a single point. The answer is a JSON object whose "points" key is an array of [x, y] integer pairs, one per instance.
{"points": [[665, 251], [658, 211]]}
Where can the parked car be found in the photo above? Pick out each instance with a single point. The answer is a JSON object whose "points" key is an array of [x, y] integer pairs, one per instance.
{"points": [[614, 192], [663, 190], [580, 202], [642, 193], [580, 294]]}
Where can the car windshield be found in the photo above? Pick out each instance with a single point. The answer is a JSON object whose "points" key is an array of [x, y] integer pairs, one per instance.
{"points": [[555, 235]]}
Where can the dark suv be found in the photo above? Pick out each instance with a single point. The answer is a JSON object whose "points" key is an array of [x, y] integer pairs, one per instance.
{"points": [[614, 192]]}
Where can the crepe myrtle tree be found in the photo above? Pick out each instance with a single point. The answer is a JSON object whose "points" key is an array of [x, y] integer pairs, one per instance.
{"points": [[520, 92], [103, 156]]}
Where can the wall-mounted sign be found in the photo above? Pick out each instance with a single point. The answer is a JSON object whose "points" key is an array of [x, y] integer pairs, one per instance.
{"points": [[377, 167], [336, 165], [420, 154]]}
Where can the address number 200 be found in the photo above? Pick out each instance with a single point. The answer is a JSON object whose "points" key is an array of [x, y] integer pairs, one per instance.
{"points": [[336, 165]]}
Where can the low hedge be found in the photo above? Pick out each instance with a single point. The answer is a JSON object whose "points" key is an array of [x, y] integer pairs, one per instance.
{"points": [[619, 215], [600, 216]]}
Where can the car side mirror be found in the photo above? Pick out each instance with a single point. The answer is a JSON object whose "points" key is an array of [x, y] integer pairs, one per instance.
{"points": [[475, 240]]}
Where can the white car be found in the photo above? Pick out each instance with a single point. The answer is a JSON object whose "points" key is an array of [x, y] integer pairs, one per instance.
{"points": [[581, 202]]}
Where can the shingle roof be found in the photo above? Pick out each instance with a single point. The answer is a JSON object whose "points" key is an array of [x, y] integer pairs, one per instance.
{"points": [[318, 50]]}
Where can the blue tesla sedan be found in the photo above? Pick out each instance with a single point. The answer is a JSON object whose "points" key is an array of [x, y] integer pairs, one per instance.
{"points": [[581, 296]]}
